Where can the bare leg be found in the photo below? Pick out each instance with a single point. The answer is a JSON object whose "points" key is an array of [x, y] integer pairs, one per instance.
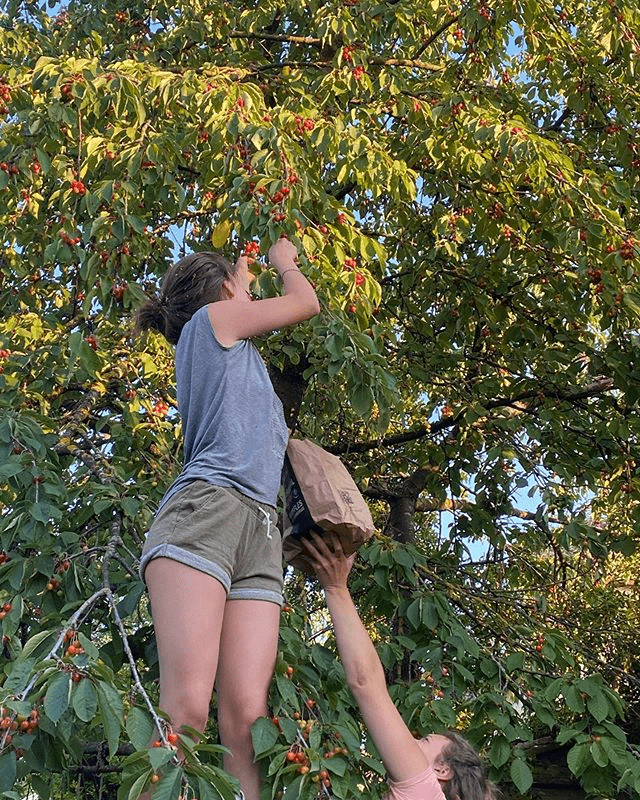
{"points": [[248, 651], [187, 608]]}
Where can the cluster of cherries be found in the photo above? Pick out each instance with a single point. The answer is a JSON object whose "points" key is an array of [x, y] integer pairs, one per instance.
{"points": [[78, 187], [628, 248], [11, 722]]}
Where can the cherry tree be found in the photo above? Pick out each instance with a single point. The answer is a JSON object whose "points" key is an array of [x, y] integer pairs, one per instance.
{"points": [[461, 181]]}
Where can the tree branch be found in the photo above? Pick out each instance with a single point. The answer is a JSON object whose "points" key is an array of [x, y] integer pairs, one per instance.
{"points": [[517, 403]]}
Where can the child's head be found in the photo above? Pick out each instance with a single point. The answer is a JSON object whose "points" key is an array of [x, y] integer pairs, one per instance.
{"points": [[188, 285], [459, 768]]}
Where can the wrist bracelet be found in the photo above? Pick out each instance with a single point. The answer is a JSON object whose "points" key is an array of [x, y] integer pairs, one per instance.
{"points": [[290, 269]]}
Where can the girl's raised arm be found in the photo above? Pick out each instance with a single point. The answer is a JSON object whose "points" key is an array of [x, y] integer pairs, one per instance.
{"points": [[236, 318]]}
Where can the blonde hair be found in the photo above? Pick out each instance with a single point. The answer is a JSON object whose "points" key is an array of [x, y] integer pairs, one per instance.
{"points": [[469, 776]]}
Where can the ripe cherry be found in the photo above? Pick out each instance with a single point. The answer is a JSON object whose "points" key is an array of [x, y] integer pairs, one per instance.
{"points": [[117, 290]]}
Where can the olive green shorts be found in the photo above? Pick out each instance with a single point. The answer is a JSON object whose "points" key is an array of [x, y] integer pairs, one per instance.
{"points": [[220, 531]]}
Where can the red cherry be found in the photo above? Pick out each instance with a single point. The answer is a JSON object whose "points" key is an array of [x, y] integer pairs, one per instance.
{"points": [[117, 290]]}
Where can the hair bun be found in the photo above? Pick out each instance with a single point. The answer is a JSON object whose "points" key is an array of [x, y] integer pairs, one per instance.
{"points": [[152, 315]]}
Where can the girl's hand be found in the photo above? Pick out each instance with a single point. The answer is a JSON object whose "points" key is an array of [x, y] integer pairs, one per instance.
{"points": [[242, 262], [283, 255], [329, 562], [297, 303]]}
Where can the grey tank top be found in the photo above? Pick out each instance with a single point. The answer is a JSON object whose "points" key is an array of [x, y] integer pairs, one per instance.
{"points": [[232, 420]]}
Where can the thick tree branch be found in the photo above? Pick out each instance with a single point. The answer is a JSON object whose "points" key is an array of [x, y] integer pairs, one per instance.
{"points": [[517, 403]]}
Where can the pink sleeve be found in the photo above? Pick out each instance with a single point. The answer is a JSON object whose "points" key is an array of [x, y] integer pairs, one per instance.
{"points": [[424, 786]]}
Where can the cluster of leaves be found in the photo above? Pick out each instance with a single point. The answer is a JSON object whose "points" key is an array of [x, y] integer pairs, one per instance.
{"points": [[461, 181], [495, 684]]}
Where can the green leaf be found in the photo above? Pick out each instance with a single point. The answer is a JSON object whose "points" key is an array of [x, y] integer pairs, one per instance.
{"points": [[413, 613], [136, 223], [7, 770], [140, 727], [168, 788], [136, 789], [110, 704], [554, 689], [84, 700], [286, 690], [599, 753], [578, 758], [401, 556], [544, 714], [573, 699], [56, 699], [41, 511], [500, 751], [19, 676], [429, 613], [91, 650], [598, 706], [361, 399], [521, 775], [40, 786], [632, 301], [289, 729], [159, 756], [514, 661], [264, 735]]}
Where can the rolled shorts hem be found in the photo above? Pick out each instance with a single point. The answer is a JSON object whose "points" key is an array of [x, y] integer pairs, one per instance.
{"points": [[209, 568], [256, 594], [185, 557]]}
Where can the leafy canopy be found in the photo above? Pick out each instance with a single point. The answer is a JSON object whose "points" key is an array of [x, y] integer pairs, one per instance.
{"points": [[461, 180]]}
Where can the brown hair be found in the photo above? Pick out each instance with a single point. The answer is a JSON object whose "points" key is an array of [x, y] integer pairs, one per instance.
{"points": [[469, 781], [187, 285]]}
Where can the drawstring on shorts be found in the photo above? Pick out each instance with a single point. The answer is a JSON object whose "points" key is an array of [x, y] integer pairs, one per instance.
{"points": [[267, 519]]}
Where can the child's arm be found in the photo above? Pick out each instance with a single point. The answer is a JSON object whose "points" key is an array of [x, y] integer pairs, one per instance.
{"points": [[399, 751]]}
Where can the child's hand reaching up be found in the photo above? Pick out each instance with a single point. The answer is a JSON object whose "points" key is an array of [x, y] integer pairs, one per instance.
{"points": [[328, 560]]}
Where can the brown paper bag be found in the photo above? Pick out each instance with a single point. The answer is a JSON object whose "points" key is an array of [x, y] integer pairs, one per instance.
{"points": [[320, 495]]}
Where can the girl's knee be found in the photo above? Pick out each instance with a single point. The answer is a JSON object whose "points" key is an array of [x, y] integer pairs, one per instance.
{"points": [[188, 709], [235, 721]]}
